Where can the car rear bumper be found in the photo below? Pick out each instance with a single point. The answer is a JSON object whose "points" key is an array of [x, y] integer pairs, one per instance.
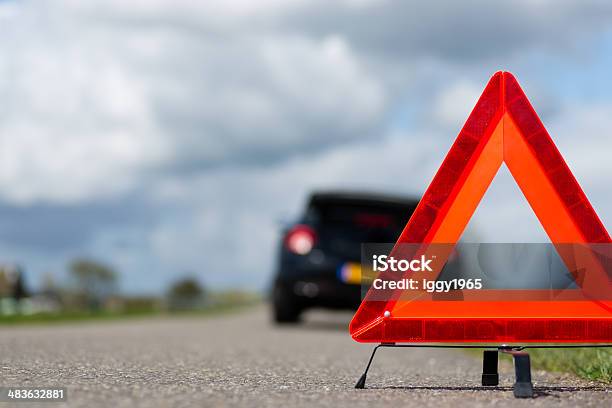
{"points": [[322, 292]]}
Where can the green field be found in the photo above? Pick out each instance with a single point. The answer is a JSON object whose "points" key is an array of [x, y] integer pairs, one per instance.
{"points": [[589, 363], [52, 318]]}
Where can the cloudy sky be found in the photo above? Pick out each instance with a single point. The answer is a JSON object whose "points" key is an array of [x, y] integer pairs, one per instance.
{"points": [[168, 138]]}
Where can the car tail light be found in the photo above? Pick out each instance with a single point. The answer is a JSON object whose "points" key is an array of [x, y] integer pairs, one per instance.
{"points": [[300, 239]]}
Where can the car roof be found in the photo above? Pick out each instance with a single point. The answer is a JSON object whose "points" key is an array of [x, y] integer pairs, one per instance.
{"points": [[360, 197]]}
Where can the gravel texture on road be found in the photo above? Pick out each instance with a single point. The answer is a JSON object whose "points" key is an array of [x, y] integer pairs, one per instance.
{"points": [[241, 359]]}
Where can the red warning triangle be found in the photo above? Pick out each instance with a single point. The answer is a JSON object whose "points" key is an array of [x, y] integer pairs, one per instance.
{"points": [[502, 128]]}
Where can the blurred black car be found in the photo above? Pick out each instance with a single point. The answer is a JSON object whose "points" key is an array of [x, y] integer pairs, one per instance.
{"points": [[320, 255]]}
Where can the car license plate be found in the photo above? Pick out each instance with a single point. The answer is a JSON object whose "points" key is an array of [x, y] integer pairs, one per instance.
{"points": [[350, 272]]}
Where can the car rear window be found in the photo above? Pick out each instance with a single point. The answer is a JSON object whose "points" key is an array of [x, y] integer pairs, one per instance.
{"points": [[362, 217]]}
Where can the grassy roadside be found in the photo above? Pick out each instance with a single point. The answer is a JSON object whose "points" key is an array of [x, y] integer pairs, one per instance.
{"points": [[67, 317], [589, 363]]}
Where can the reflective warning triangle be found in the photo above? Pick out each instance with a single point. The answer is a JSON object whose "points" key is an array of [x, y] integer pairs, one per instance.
{"points": [[502, 128]]}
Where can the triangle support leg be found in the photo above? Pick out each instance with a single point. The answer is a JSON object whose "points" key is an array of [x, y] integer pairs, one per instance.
{"points": [[523, 388], [490, 375], [362, 380]]}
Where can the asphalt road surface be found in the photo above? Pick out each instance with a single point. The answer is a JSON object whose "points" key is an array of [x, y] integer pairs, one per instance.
{"points": [[240, 359]]}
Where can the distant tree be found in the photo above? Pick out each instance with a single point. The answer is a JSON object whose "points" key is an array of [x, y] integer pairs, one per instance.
{"points": [[19, 289], [95, 281], [185, 294], [12, 282]]}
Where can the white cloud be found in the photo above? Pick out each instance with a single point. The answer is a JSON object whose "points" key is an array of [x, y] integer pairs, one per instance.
{"points": [[582, 134], [454, 104], [98, 100], [115, 89]]}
